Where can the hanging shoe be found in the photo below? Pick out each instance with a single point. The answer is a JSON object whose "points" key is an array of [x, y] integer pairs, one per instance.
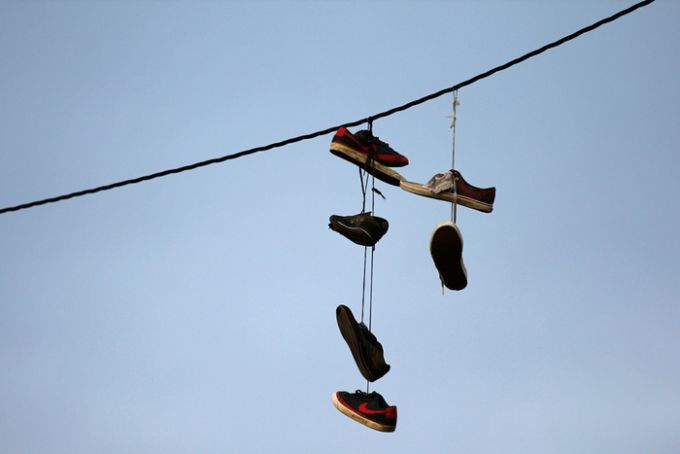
{"points": [[365, 348], [370, 410], [363, 228], [369, 153], [446, 247], [440, 187]]}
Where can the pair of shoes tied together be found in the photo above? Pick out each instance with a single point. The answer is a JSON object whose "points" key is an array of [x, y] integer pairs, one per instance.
{"points": [[369, 409]]}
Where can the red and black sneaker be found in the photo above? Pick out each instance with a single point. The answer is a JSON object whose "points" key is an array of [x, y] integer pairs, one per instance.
{"points": [[369, 153], [369, 409]]}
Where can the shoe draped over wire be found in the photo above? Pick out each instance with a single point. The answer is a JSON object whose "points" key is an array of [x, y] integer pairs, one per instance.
{"points": [[369, 153]]}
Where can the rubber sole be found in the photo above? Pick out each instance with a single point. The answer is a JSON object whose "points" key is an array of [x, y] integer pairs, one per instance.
{"points": [[446, 247]]}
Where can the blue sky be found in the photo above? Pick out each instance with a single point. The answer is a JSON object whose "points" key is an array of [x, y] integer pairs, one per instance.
{"points": [[196, 313]]}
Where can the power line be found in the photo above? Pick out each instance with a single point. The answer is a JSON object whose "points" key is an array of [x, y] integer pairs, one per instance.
{"points": [[331, 129]]}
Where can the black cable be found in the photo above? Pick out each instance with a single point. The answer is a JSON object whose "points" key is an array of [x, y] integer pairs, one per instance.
{"points": [[322, 132], [363, 286]]}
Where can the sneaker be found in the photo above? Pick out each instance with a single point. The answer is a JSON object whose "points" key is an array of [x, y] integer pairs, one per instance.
{"points": [[369, 409], [369, 153], [363, 228], [365, 348], [446, 247], [441, 187]]}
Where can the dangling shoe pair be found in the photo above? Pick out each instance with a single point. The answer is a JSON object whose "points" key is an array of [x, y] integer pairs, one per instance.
{"points": [[376, 157], [369, 409], [446, 243]]}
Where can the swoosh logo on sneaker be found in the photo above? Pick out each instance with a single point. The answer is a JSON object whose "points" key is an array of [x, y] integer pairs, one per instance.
{"points": [[363, 408]]}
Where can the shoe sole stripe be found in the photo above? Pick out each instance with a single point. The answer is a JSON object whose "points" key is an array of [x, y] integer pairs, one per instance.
{"points": [[419, 189], [355, 228], [358, 418]]}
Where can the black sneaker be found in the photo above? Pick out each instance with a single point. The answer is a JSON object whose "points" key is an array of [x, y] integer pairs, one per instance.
{"points": [[446, 247], [369, 409], [365, 348], [363, 229]]}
